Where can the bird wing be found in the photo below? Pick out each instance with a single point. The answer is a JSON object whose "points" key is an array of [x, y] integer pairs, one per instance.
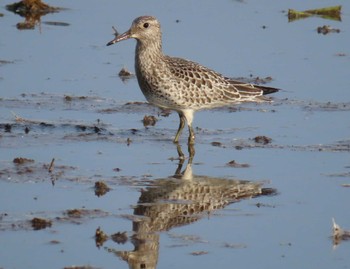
{"points": [[213, 86]]}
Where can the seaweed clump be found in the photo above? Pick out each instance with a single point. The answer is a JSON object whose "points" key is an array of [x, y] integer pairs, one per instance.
{"points": [[31, 7], [32, 10], [330, 13]]}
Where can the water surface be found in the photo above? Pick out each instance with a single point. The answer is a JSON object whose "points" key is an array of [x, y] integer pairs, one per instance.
{"points": [[62, 81]]}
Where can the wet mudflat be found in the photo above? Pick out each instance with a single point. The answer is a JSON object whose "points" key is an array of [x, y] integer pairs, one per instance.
{"points": [[90, 178]]}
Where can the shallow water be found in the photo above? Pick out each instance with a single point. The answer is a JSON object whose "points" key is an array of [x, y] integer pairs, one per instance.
{"points": [[61, 84]]}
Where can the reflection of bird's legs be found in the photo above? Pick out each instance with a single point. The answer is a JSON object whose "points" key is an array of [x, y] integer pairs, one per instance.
{"points": [[181, 159], [191, 152], [180, 153]]}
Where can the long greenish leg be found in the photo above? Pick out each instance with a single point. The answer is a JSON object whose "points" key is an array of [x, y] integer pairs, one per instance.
{"points": [[191, 136], [181, 126], [180, 153], [188, 114], [191, 152]]}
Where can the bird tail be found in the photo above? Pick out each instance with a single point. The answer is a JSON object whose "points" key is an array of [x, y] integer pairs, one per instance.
{"points": [[268, 90]]}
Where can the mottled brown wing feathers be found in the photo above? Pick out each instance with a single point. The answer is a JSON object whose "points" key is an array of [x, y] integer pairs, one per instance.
{"points": [[231, 90], [251, 89]]}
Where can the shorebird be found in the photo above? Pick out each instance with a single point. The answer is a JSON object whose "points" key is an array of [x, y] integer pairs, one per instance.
{"points": [[179, 84]]}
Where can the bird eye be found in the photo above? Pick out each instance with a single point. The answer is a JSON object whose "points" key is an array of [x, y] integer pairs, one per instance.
{"points": [[145, 25]]}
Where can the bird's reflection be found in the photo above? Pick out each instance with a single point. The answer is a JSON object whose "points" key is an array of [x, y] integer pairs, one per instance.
{"points": [[180, 200]]}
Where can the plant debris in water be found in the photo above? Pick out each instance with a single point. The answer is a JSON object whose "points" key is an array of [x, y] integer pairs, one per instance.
{"points": [[331, 13], [31, 7], [339, 146], [81, 267], [120, 238], [75, 213], [255, 80], [69, 98], [6, 62], [100, 237], [101, 188], [21, 160], [234, 164], [149, 120], [125, 74], [199, 253], [32, 10], [39, 223], [235, 246], [56, 23], [216, 144], [339, 234], [261, 139], [326, 29]]}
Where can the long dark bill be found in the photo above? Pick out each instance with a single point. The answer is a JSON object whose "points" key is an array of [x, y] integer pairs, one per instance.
{"points": [[118, 38]]}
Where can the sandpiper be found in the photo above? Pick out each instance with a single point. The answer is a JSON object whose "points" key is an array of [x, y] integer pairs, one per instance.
{"points": [[179, 84]]}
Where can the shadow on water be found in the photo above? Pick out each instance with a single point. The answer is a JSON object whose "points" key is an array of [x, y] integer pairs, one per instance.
{"points": [[179, 200]]}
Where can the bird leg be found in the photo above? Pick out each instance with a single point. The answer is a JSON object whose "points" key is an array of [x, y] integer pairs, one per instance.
{"points": [[180, 153], [191, 136], [186, 115], [181, 126]]}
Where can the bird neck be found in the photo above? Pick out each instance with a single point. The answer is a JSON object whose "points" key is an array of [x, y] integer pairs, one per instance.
{"points": [[151, 51]]}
